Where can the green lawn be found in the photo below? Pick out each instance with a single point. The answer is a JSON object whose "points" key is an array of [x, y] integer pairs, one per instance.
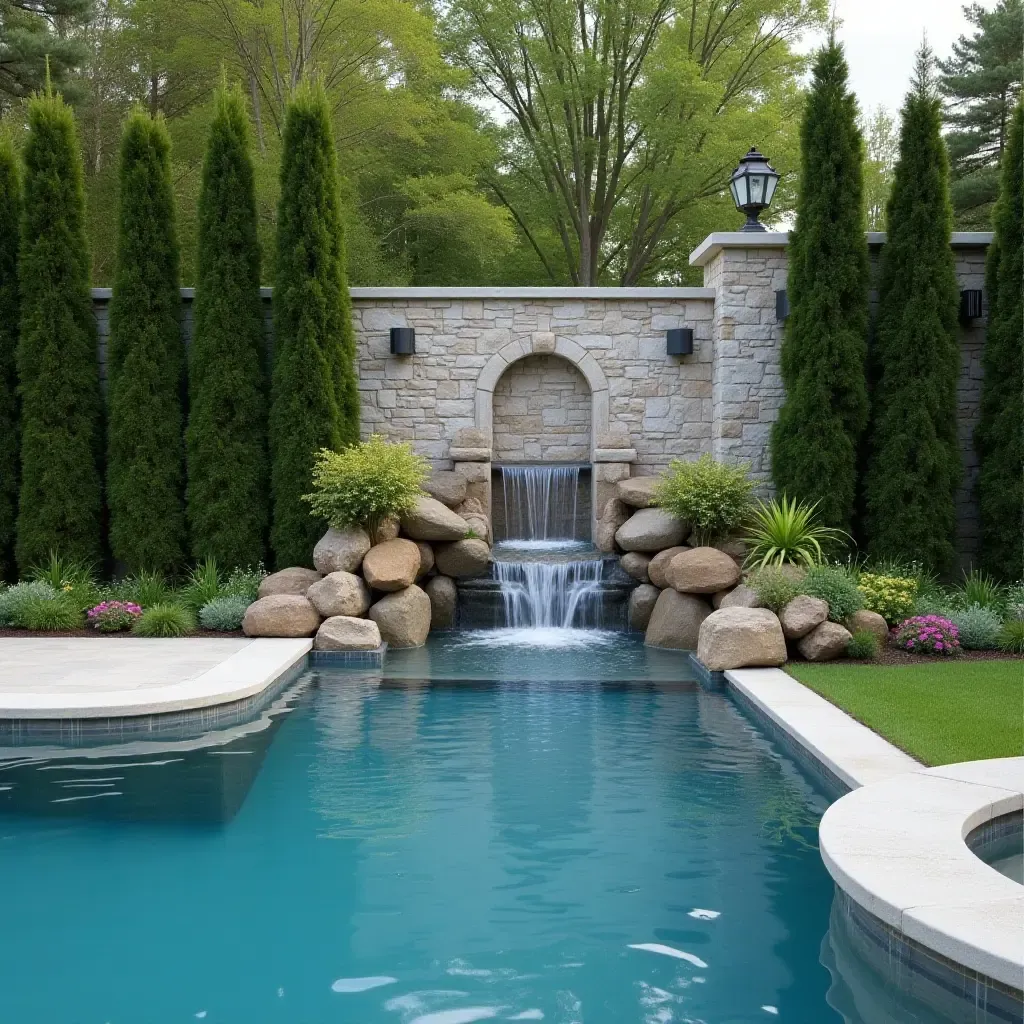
{"points": [[950, 711]]}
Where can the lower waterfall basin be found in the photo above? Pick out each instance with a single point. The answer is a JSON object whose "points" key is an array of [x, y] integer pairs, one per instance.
{"points": [[569, 835]]}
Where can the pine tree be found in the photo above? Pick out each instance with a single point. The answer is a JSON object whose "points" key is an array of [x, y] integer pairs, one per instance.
{"points": [[36, 45], [60, 501], [914, 465], [314, 403], [815, 440], [10, 234], [145, 360], [226, 441], [999, 438]]}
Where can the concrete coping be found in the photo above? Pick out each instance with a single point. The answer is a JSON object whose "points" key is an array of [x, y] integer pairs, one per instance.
{"points": [[469, 454], [614, 455], [898, 849], [445, 294]]}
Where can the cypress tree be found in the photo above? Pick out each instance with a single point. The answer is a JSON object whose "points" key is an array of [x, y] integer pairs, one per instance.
{"points": [[999, 438], [815, 441], [145, 360], [60, 502], [226, 440], [314, 403], [914, 465], [10, 234]]}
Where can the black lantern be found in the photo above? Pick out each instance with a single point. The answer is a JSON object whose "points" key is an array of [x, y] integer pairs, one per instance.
{"points": [[970, 304], [753, 186], [679, 341], [403, 341], [781, 305]]}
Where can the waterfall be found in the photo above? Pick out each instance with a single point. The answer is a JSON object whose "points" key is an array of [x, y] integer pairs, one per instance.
{"points": [[547, 595], [540, 503]]}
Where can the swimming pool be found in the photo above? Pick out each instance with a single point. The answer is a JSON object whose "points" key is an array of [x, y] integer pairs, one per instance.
{"points": [[570, 834]]}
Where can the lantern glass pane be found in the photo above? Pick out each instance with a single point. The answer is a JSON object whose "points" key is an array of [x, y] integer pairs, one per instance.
{"points": [[773, 180], [757, 188], [734, 188]]}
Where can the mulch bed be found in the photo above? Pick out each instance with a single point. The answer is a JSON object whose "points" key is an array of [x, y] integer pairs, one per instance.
{"points": [[35, 633], [891, 655]]}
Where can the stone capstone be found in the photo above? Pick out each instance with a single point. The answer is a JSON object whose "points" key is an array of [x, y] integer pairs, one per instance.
{"points": [[641, 604], [392, 565], [801, 615], [444, 597], [290, 615], [428, 519], [870, 622], [739, 597], [346, 633], [659, 564], [294, 580], [635, 563], [637, 491], [447, 487], [463, 559], [403, 617], [340, 594], [826, 641], [702, 571], [741, 638], [675, 621], [650, 529], [426, 558], [341, 550]]}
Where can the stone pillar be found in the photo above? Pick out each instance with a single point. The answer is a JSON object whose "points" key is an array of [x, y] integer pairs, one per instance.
{"points": [[470, 453], [613, 461]]}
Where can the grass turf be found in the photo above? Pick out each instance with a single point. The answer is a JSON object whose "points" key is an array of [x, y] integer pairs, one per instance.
{"points": [[942, 713]]}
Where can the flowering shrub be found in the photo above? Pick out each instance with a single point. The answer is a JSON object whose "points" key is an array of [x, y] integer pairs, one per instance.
{"points": [[712, 497], [891, 596], [113, 616], [928, 634]]}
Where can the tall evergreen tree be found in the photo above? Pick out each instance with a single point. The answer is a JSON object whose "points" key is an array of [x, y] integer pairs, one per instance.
{"points": [[36, 45], [60, 501], [314, 403], [999, 438], [10, 234], [914, 465], [226, 441], [146, 360], [815, 440]]}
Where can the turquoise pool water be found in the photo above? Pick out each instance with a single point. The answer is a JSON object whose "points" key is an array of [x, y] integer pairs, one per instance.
{"points": [[571, 835]]}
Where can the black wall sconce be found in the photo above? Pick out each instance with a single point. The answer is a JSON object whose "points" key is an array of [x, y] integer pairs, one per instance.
{"points": [[679, 341], [970, 304], [403, 341], [781, 305]]}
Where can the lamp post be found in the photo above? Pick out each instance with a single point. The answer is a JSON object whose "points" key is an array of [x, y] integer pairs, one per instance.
{"points": [[752, 186]]}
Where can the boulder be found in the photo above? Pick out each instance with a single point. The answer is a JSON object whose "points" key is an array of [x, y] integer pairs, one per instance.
{"points": [[341, 550], [872, 622], [444, 597], [426, 558], [741, 638], [403, 617], [635, 563], [702, 571], [650, 529], [388, 530], [801, 615], [641, 605], [604, 537], [826, 641], [392, 565], [739, 597], [346, 633], [735, 548], [340, 594], [281, 615], [615, 512], [447, 487], [480, 525], [471, 506], [463, 559], [675, 621], [428, 519], [294, 580], [637, 491], [659, 563]]}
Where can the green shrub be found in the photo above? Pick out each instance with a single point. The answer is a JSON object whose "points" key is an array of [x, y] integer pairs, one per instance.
{"points": [[366, 483], [1015, 601], [783, 531], [891, 596], [1011, 636], [863, 645], [979, 627], [204, 585], [14, 599], [712, 497], [932, 604], [165, 620], [224, 613], [144, 588], [77, 580], [837, 586], [54, 614], [979, 589], [10, 235], [773, 587], [245, 582]]}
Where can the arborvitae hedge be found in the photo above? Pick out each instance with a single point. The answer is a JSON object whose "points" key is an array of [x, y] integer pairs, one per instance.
{"points": [[999, 438], [146, 361], [315, 403], [10, 233], [60, 503], [226, 440], [914, 465], [824, 350]]}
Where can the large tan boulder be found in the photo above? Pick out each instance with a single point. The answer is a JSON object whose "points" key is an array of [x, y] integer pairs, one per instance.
{"points": [[403, 617], [870, 622], [341, 550], [635, 564], [392, 565], [604, 537], [294, 580], [641, 605], [702, 571], [637, 491], [735, 548], [741, 638], [801, 615], [464, 559], [447, 487], [426, 558], [650, 529], [739, 597], [480, 525], [289, 615], [826, 641], [675, 621], [659, 565], [347, 633], [340, 593], [428, 519], [444, 597], [388, 530], [471, 506]]}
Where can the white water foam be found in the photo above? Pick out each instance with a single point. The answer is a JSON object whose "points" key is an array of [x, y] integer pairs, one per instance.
{"points": [[679, 954], [361, 984], [544, 636]]}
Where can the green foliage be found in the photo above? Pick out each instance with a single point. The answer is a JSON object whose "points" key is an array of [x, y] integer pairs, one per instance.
{"points": [[146, 588], [204, 585], [914, 455], [224, 614], [314, 403], [785, 530], [226, 440], [366, 483], [836, 585], [74, 580], [863, 645], [979, 589], [712, 497], [774, 588], [53, 614], [60, 499], [165, 620], [1015, 601], [244, 582], [1011, 636], [14, 600], [979, 627], [10, 235], [892, 597], [145, 360], [882, 146], [36, 46]]}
